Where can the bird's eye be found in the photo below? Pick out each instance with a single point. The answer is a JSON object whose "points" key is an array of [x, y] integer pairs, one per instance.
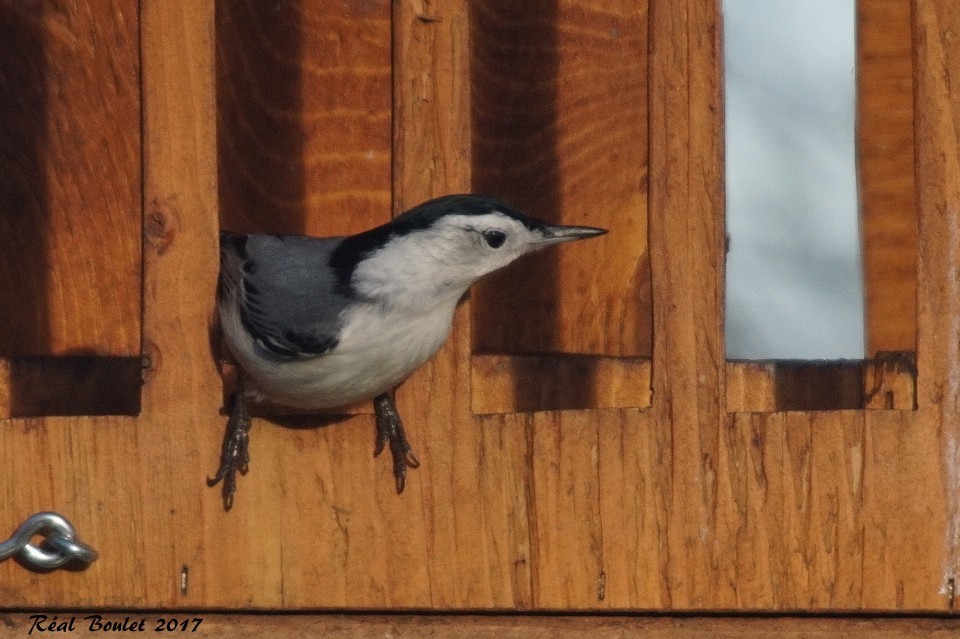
{"points": [[494, 239]]}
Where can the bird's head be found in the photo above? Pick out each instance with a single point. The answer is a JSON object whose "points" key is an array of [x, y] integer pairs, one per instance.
{"points": [[445, 245]]}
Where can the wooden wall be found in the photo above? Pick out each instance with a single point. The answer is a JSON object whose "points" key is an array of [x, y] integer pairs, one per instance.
{"points": [[669, 498], [69, 73], [70, 117]]}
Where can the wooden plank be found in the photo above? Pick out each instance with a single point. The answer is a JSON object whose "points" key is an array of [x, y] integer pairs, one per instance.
{"points": [[555, 87], [904, 514], [886, 383], [937, 131], [814, 493], [770, 386], [304, 116], [335, 626], [557, 382], [464, 515], [679, 507], [687, 250], [560, 131], [70, 199], [69, 386], [175, 443], [885, 161], [890, 381], [804, 546]]}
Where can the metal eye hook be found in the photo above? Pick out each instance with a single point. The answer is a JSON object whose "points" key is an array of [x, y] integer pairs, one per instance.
{"points": [[60, 547]]}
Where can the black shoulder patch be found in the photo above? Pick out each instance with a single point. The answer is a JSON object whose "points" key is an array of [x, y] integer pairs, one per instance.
{"points": [[351, 252]]}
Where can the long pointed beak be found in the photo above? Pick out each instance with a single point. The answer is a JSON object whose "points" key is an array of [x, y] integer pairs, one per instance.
{"points": [[558, 234]]}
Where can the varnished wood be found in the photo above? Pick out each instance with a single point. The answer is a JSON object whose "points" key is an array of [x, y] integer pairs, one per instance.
{"points": [[70, 118], [936, 55], [887, 383], [890, 381], [779, 386], [559, 382], [304, 115], [684, 506], [353, 626], [559, 113], [885, 165], [687, 248], [69, 386], [468, 507]]}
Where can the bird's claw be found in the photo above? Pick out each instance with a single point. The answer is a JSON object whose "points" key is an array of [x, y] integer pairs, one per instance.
{"points": [[390, 428], [235, 453]]}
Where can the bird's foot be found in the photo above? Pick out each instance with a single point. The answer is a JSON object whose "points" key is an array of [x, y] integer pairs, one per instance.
{"points": [[390, 428], [235, 453]]}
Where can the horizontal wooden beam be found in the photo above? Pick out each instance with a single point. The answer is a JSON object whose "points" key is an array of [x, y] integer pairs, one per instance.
{"points": [[527, 383], [322, 626], [84, 385], [885, 383]]}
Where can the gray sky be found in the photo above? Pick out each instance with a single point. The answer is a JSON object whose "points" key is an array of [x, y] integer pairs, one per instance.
{"points": [[794, 280]]}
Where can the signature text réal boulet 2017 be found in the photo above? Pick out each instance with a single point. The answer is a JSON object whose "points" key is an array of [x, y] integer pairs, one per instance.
{"points": [[96, 623]]}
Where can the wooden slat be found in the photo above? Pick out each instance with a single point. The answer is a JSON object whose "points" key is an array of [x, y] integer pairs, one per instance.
{"points": [[335, 626], [793, 386], [890, 381], [70, 213], [134, 487], [69, 386], [557, 382], [687, 251], [559, 117], [679, 507], [887, 383], [304, 116], [555, 87], [464, 515], [937, 122], [174, 445], [885, 163]]}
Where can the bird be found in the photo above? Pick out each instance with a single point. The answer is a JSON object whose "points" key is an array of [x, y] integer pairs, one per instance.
{"points": [[326, 322]]}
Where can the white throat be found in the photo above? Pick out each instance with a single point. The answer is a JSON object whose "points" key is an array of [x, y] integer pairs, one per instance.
{"points": [[410, 270]]}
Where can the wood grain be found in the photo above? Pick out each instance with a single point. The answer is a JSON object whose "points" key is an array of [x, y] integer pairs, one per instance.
{"points": [[304, 115], [564, 382], [559, 92], [687, 247], [70, 197], [937, 131], [353, 626], [680, 507], [38, 386], [470, 515], [887, 383], [885, 163]]}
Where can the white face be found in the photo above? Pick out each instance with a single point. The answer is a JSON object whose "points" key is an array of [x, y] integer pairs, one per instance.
{"points": [[471, 246], [444, 260]]}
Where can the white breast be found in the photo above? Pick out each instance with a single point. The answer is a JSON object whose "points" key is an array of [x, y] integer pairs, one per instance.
{"points": [[377, 350]]}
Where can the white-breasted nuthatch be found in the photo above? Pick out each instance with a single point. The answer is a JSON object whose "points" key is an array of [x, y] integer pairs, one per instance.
{"points": [[326, 322]]}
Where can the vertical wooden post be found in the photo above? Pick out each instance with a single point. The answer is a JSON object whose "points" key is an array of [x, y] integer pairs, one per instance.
{"points": [[473, 518], [885, 162], [937, 112], [180, 426], [687, 258]]}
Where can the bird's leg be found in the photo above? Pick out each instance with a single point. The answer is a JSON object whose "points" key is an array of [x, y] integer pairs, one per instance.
{"points": [[235, 453], [390, 427]]}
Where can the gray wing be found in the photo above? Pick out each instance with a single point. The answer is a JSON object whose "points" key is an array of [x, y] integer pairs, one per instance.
{"points": [[285, 289]]}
